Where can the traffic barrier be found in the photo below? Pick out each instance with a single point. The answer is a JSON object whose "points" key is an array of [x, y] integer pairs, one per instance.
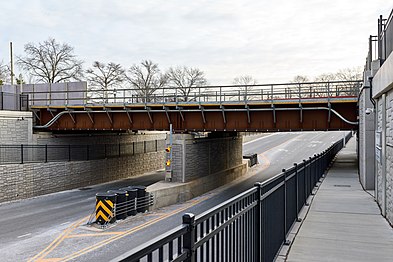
{"points": [[105, 206], [121, 203], [253, 159], [131, 200], [142, 199]]}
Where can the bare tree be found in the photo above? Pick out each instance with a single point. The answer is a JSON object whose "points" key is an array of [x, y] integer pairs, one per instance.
{"points": [[326, 77], [51, 62], [146, 78], [300, 79], [186, 79], [244, 80], [349, 74], [104, 78], [4, 73]]}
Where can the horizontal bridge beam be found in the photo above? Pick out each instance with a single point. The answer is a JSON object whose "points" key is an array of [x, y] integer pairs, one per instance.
{"points": [[317, 116]]}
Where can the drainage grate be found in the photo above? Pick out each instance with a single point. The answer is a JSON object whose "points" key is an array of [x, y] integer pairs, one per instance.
{"points": [[342, 185]]}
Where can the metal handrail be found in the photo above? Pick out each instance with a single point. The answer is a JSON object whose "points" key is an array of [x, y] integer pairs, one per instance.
{"points": [[39, 153], [209, 94]]}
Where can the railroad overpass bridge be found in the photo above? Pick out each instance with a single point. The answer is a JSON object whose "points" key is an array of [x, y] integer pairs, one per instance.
{"points": [[272, 107]]}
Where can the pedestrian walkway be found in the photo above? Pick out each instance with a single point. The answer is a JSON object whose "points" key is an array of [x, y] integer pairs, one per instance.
{"points": [[344, 222]]}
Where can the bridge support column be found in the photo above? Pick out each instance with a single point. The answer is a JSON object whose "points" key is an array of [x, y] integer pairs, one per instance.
{"points": [[193, 157]]}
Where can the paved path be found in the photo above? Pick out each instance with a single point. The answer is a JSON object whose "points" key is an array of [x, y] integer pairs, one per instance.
{"points": [[344, 222]]}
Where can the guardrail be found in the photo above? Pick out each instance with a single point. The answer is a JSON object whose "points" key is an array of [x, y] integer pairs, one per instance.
{"points": [[251, 226], [20, 154], [381, 45], [205, 94]]}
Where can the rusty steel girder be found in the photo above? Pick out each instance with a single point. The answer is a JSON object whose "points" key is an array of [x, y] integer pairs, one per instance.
{"points": [[230, 117]]}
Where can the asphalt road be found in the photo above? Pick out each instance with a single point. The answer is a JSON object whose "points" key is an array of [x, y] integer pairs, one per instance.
{"points": [[41, 228]]}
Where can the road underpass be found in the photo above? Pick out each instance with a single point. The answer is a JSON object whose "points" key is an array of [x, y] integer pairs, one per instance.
{"points": [[49, 229]]}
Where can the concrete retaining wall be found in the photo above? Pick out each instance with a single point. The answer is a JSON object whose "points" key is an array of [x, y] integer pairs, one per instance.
{"points": [[169, 193], [195, 158], [28, 180], [16, 127]]}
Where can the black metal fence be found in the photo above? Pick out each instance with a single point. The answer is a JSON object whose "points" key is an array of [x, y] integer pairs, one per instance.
{"points": [[19, 154], [251, 226]]}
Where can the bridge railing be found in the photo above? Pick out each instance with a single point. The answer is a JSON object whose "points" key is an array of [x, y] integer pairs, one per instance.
{"points": [[198, 95], [385, 37], [23, 153], [251, 226]]}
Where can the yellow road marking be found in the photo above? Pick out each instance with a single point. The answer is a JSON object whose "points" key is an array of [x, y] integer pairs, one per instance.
{"points": [[57, 241], [128, 232], [96, 234], [52, 259]]}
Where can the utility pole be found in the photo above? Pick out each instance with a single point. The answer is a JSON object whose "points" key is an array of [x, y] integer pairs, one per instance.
{"points": [[12, 64]]}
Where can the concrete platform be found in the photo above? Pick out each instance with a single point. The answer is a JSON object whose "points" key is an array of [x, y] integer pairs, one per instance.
{"points": [[344, 222]]}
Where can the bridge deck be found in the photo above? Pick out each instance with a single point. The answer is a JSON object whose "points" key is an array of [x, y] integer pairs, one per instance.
{"points": [[306, 106]]}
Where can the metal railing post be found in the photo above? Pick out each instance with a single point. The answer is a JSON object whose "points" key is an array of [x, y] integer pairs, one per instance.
{"points": [[286, 242], [258, 223], [306, 172], [297, 191], [21, 153], [46, 153], [189, 237]]}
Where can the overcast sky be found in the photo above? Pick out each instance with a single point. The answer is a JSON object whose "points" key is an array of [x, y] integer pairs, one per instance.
{"points": [[270, 40]]}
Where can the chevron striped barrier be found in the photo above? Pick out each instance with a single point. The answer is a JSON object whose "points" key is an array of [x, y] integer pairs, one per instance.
{"points": [[105, 208]]}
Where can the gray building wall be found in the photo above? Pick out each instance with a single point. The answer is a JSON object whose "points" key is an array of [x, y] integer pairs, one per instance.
{"points": [[382, 85], [366, 140]]}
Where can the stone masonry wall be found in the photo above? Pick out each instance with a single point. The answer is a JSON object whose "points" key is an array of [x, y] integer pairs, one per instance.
{"points": [[15, 127], [389, 156], [205, 156], [19, 181]]}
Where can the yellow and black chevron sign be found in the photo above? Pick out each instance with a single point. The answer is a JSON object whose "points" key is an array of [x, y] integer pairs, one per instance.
{"points": [[104, 211]]}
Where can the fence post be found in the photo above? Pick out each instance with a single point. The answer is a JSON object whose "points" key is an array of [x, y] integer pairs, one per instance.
{"points": [[189, 237], [297, 192], [46, 153], [69, 152], [144, 146], [306, 171], [21, 153], [156, 145], [286, 242], [87, 152], [258, 222]]}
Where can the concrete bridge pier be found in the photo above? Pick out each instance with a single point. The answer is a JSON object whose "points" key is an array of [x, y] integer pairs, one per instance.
{"points": [[219, 154]]}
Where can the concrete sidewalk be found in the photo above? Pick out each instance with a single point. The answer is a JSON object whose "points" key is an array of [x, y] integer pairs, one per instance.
{"points": [[344, 222]]}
